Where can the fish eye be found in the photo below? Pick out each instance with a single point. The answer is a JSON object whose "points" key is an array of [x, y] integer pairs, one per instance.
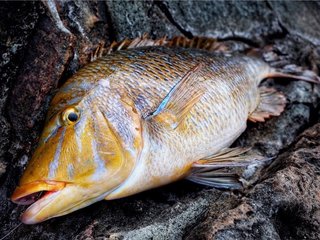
{"points": [[70, 115], [73, 117]]}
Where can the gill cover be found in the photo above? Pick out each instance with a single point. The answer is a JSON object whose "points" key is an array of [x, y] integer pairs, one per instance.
{"points": [[91, 148]]}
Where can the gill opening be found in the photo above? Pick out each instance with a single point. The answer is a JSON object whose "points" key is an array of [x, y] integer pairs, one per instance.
{"points": [[115, 137]]}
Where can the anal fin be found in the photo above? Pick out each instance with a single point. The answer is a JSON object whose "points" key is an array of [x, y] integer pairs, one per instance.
{"points": [[272, 103], [216, 170]]}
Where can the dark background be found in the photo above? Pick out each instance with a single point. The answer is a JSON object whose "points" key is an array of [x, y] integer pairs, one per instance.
{"points": [[37, 56]]}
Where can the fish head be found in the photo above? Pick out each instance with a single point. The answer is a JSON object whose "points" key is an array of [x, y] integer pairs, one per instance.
{"points": [[85, 152]]}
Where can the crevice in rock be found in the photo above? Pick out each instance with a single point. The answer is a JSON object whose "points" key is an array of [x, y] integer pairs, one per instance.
{"points": [[302, 128], [240, 39], [314, 110], [112, 30], [283, 28], [313, 120], [163, 7], [289, 223], [269, 5], [66, 74]]}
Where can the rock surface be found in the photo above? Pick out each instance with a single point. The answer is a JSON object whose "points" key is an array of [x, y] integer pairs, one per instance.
{"points": [[38, 55]]}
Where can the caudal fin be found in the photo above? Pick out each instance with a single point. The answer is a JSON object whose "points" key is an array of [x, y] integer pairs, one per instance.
{"points": [[304, 75], [290, 71]]}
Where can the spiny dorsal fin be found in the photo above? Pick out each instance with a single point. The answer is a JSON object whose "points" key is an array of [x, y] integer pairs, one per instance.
{"points": [[142, 41], [204, 43], [272, 103], [179, 101]]}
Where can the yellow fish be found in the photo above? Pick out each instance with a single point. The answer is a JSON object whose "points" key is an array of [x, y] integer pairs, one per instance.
{"points": [[142, 117]]}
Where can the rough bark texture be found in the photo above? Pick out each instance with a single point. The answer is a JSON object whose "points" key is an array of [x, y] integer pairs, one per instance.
{"points": [[37, 56]]}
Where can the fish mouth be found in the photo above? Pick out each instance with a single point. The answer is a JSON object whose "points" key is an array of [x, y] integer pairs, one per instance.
{"points": [[38, 194]]}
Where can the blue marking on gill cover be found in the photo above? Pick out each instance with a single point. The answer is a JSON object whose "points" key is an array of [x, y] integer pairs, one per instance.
{"points": [[52, 133], [70, 171], [79, 130], [55, 162], [100, 164]]}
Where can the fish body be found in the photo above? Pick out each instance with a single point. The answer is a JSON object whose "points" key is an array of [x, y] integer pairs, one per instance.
{"points": [[134, 120], [216, 120]]}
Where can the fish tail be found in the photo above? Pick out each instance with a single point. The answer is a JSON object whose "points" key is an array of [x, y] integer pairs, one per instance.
{"points": [[295, 73], [290, 71]]}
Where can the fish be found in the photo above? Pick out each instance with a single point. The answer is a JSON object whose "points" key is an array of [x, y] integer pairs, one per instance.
{"points": [[146, 114]]}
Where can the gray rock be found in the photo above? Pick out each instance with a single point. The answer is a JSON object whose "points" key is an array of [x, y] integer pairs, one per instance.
{"points": [[225, 19], [307, 26], [128, 17], [283, 200]]}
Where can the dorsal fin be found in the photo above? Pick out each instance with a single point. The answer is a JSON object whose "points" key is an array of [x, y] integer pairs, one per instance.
{"points": [[204, 43], [142, 41]]}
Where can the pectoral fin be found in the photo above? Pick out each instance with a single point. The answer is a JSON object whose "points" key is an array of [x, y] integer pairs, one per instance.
{"points": [[272, 103], [214, 170], [180, 100]]}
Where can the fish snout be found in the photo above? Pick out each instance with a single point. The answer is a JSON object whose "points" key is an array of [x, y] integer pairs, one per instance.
{"points": [[31, 192], [51, 199]]}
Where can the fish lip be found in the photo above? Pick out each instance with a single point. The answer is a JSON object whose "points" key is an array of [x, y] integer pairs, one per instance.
{"points": [[29, 189], [56, 203], [30, 215], [24, 194]]}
